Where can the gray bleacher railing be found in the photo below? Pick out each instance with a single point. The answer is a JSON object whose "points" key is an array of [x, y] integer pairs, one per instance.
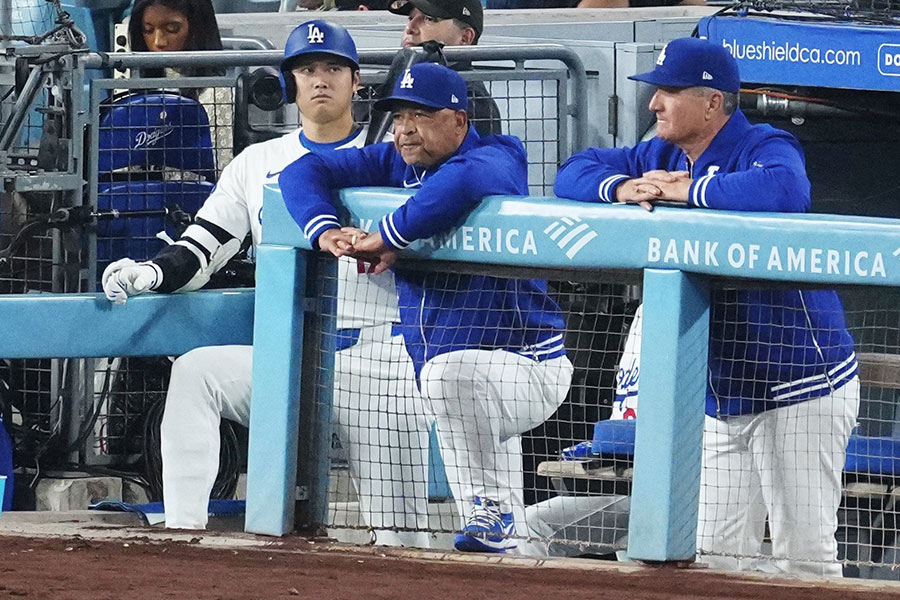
{"points": [[577, 109], [40, 162]]}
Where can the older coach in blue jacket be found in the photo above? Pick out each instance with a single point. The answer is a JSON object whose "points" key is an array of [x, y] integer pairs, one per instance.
{"points": [[488, 352], [782, 392]]}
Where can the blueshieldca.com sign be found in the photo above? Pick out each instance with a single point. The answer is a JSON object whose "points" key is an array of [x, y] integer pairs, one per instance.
{"points": [[833, 55]]}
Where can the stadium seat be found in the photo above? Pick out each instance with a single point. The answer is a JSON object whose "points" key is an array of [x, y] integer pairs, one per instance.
{"points": [[136, 237], [155, 152], [866, 456], [148, 133]]}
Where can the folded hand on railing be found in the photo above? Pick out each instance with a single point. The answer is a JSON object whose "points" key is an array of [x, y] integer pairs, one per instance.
{"points": [[354, 242], [372, 249], [339, 242], [655, 185]]}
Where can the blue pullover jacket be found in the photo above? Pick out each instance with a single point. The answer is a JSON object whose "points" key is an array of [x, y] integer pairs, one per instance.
{"points": [[440, 312], [768, 348]]}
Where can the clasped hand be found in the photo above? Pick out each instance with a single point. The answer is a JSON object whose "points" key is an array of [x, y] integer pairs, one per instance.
{"points": [[655, 185], [356, 243]]}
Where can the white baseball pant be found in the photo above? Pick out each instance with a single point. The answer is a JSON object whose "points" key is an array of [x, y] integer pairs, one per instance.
{"points": [[386, 435], [787, 463], [482, 400]]}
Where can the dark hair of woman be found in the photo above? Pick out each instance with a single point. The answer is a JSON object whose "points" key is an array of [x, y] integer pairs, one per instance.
{"points": [[203, 32]]}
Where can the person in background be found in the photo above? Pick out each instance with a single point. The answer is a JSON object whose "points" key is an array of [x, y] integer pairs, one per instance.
{"points": [[174, 26], [452, 23], [183, 26]]}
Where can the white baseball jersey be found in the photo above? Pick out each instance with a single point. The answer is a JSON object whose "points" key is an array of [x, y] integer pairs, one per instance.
{"points": [[236, 206], [628, 373]]}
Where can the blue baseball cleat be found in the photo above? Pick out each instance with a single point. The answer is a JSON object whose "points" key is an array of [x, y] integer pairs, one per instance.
{"points": [[487, 530]]}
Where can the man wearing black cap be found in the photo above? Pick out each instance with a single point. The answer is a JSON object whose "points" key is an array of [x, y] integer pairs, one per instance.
{"points": [[488, 352], [452, 23], [782, 388]]}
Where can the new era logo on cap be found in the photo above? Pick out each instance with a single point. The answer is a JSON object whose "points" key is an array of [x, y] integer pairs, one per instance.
{"points": [[662, 55], [466, 12], [707, 76]]}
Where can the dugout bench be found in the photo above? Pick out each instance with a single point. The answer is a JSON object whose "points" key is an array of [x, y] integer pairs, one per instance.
{"points": [[869, 508]]}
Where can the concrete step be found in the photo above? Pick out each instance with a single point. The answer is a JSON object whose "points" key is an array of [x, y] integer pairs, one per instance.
{"points": [[17, 520]]}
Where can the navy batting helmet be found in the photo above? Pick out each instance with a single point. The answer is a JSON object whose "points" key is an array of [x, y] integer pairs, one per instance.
{"points": [[314, 37]]}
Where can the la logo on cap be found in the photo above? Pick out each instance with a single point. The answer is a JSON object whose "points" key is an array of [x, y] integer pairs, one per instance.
{"points": [[662, 56], [407, 81], [315, 35]]}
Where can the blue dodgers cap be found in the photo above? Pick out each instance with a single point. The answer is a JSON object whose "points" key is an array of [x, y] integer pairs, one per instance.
{"points": [[428, 84], [689, 62]]}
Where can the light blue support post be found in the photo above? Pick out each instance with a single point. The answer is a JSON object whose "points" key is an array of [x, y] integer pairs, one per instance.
{"points": [[316, 395], [664, 499], [274, 414]]}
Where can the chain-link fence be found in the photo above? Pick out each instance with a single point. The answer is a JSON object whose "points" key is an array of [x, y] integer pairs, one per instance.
{"points": [[158, 145], [381, 421], [577, 465], [38, 253]]}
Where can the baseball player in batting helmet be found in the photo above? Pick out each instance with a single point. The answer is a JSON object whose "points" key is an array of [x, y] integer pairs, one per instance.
{"points": [[380, 423], [315, 37]]}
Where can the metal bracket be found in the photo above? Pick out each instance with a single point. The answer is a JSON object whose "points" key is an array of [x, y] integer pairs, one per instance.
{"points": [[612, 126]]}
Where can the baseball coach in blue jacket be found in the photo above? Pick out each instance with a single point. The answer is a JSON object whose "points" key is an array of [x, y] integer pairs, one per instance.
{"points": [[488, 352], [782, 392]]}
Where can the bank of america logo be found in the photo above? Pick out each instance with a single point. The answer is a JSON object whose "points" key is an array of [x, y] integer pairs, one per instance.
{"points": [[570, 234]]}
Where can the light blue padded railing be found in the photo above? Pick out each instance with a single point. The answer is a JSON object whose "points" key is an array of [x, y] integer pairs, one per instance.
{"points": [[678, 251]]}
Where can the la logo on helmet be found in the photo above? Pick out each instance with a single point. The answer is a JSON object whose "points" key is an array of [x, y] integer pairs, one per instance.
{"points": [[662, 56], [315, 35], [407, 81]]}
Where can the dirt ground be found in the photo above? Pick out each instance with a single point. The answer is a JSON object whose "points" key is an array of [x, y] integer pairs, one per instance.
{"points": [[76, 569]]}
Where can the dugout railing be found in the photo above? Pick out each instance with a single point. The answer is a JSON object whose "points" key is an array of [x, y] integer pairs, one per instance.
{"points": [[676, 303]]}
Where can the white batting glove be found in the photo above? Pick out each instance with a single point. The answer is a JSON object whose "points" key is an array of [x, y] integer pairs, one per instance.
{"points": [[125, 278]]}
